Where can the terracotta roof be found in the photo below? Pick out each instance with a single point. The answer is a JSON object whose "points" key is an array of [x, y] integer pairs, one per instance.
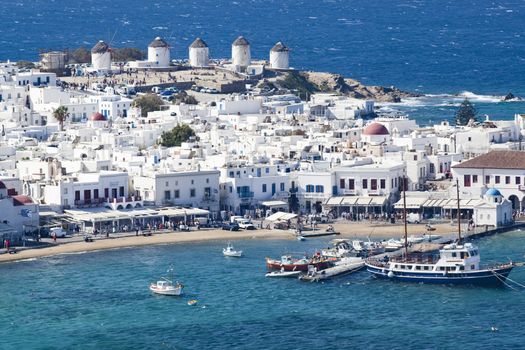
{"points": [[97, 117], [496, 160], [375, 129], [241, 41], [198, 43], [21, 200], [100, 47]]}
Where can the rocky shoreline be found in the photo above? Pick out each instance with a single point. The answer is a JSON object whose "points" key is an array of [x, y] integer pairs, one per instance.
{"points": [[313, 82]]}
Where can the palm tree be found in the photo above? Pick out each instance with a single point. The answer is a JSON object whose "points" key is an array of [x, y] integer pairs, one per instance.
{"points": [[61, 114]]}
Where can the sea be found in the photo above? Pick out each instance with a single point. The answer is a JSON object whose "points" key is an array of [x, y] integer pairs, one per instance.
{"points": [[100, 300], [446, 50]]}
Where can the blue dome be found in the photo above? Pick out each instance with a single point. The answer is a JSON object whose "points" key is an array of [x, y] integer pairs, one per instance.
{"points": [[493, 192]]}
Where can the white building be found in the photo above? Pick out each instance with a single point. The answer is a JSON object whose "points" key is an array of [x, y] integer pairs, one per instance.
{"points": [[493, 211], [197, 189], [241, 56], [504, 170], [19, 213], [199, 53], [279, 56], [159, 52], [101, 57]]}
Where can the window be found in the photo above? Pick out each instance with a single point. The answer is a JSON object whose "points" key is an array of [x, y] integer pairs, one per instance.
{"points": [[432, 168], [383, 183], [95, 193], [77, 195], [487, 179], [309, 188], [232, 174], [466, 180], [496, 179], [207, 191], [507, 180], [475, 179], [167, 195], [365, 183], [176, 194], [373, 184], [106, 192], [65, 190], [192, 192], [282, 186], [192, 182], [264, 188], [341, 183], [207, 181], [273, 188], [167, 184], [470, 138], [319, 189], [518, 180], [121, 191], [454, 255], [267, 170], [351, 184]]}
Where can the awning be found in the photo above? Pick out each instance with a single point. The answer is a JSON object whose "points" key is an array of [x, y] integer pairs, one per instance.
{"points": [[274, 204], [363, 201], [463, 204], [411, 203], [349, 201], [378, 201], [334, 201], [281, 216]]}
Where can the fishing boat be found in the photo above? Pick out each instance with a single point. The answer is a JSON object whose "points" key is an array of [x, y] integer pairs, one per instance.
{"points": [[287, 263], [166, 287], [231, 252], [341, 248], [456, 264]]}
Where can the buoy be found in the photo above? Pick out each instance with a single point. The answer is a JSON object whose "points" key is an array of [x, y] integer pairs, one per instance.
{"points": [[494, 329], [390, 274]]}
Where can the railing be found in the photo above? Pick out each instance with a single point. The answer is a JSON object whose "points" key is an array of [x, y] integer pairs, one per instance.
{"points": [[245, 194]]}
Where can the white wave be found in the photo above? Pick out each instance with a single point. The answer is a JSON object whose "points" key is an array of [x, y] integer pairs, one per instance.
{"points": [[480, 98], [443, 100]]}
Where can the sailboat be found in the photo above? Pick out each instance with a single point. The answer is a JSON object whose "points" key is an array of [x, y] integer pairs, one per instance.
{"points": [[457, 263]]}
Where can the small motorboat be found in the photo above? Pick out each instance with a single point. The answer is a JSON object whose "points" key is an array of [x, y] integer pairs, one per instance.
{"points": [[192, 302], [283, 274], [415, 239], [301, 238], [231, 252], [166, 287], [430, 227], [392, 245]]}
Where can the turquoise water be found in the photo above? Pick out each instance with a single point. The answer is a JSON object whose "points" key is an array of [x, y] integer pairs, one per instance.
{"points": [[100, 300]]}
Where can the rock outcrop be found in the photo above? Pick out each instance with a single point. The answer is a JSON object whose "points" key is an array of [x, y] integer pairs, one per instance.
{"points": [[328, 82]]}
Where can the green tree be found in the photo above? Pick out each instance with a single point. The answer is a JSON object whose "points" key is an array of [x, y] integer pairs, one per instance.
{"points": [[61, 114], [183, 97], [80, 55], [126, 54], [148, 103], [465, 113], [179, 134]]}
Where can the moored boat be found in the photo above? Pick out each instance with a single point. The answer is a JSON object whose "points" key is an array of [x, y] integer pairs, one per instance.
{"points": [[165, 286], [287, 263], [284, 274], [231, 252]]}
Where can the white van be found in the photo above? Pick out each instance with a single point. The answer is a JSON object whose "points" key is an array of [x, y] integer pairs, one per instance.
{"points": [[57, 232]]}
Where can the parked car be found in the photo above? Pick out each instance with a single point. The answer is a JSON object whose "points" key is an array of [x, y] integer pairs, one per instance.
{"points": [[230, 227], [246, 224], [58, 232]]}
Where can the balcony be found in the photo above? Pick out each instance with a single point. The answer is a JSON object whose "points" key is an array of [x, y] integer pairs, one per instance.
{"points": [[245, 195], [314, 195]]}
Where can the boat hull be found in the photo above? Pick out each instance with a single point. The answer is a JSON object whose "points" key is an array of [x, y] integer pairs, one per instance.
{"points": [[486, 277], [277, 265], [171, 292]]}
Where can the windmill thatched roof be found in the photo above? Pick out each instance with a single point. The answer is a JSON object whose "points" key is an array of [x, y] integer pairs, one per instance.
{"points": [[241, 41], [198, 43], [100, 47], [280, 47], [158, 42]]}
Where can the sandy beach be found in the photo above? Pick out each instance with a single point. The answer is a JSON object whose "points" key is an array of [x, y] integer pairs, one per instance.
{"points": [[347, 230]]}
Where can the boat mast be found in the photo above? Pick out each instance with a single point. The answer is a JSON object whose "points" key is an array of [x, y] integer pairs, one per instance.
{"points": [[459, 212], [405, 216]]}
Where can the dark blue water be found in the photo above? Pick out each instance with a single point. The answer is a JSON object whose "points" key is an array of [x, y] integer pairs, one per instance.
{"points": [[100, 300], [434, 47]]}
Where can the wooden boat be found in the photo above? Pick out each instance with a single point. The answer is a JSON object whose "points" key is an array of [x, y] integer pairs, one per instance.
{"points": [[287, 263]]}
